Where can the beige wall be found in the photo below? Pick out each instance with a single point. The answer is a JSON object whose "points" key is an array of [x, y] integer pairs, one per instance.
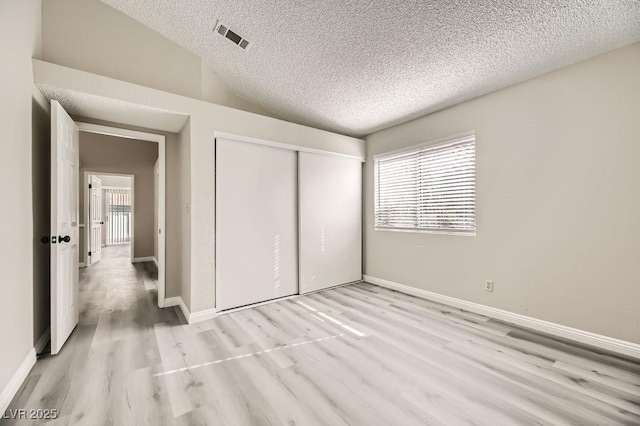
{"points": [[109, 154], [557, 200], [20, 40], [91, 36]]}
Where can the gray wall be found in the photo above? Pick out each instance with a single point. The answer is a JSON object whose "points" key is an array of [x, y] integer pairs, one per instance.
{"points": [[109, 154], [20, 288], [557, 200]]}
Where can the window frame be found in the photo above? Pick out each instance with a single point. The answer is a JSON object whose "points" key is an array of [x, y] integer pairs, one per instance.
{"points": [[457, 138]]}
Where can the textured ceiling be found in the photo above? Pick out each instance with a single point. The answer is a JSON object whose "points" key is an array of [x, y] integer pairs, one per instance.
{"points": [[98, 107], [359, 66]]}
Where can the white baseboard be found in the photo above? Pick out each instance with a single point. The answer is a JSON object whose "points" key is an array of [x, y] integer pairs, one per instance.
{"points": [[280, 299], [202, 315], [191, 318], [42, 341], [597, 340], [143, 259], [156, 262], [16, 381]]}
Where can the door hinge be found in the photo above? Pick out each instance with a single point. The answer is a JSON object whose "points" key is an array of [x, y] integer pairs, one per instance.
{"points": [[89, 186], [89, 253]]}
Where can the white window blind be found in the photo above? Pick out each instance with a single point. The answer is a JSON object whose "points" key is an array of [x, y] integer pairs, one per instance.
{"points": [[428, 187]]}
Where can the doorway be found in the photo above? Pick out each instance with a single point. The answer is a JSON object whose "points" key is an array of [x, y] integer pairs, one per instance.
{"points": [[109, 209], [114, 222]]}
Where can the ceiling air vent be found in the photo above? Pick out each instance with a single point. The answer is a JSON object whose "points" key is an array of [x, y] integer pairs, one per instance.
{"points": [[223, 30]]}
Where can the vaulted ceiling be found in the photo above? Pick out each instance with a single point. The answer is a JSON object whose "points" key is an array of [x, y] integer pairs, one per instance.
{"points": [[355, 67]]}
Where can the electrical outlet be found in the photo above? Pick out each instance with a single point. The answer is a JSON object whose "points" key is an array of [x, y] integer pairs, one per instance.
{"points": [[488, 285]]}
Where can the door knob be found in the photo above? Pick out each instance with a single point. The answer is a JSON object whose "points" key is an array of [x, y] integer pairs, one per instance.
{"points": [[44, 240], [64, 239]]}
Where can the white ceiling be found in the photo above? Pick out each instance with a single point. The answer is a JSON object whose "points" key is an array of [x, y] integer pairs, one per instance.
{"points": [[359, 66], [101, 108]]}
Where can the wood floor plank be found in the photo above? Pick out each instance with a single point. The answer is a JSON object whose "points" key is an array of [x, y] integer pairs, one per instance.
{"points": [[352, 355]]}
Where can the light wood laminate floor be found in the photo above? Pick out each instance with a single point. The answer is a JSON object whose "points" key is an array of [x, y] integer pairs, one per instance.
{"points": [[354, 355]]}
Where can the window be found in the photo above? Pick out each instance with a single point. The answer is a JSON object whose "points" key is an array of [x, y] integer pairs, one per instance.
{"points": [[118, 206], [430, 187]]}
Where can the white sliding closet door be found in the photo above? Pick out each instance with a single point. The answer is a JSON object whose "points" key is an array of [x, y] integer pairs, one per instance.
{"points": [[256, 223], [330, 212]]}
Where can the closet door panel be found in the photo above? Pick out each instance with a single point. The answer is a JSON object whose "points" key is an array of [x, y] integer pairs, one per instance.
{"points": [[330, 221], [256, 223]]}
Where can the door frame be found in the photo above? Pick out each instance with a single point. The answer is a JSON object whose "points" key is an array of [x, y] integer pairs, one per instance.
{"points": [[87, 193], [160, 140]]}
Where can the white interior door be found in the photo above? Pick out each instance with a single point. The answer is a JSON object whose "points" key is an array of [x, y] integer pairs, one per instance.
{"points": [[64, 226], [96, 219], [256, 223], [330, 226]]}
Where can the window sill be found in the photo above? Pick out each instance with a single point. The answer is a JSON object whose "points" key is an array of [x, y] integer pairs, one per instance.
{"points": [[429, 231]]}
